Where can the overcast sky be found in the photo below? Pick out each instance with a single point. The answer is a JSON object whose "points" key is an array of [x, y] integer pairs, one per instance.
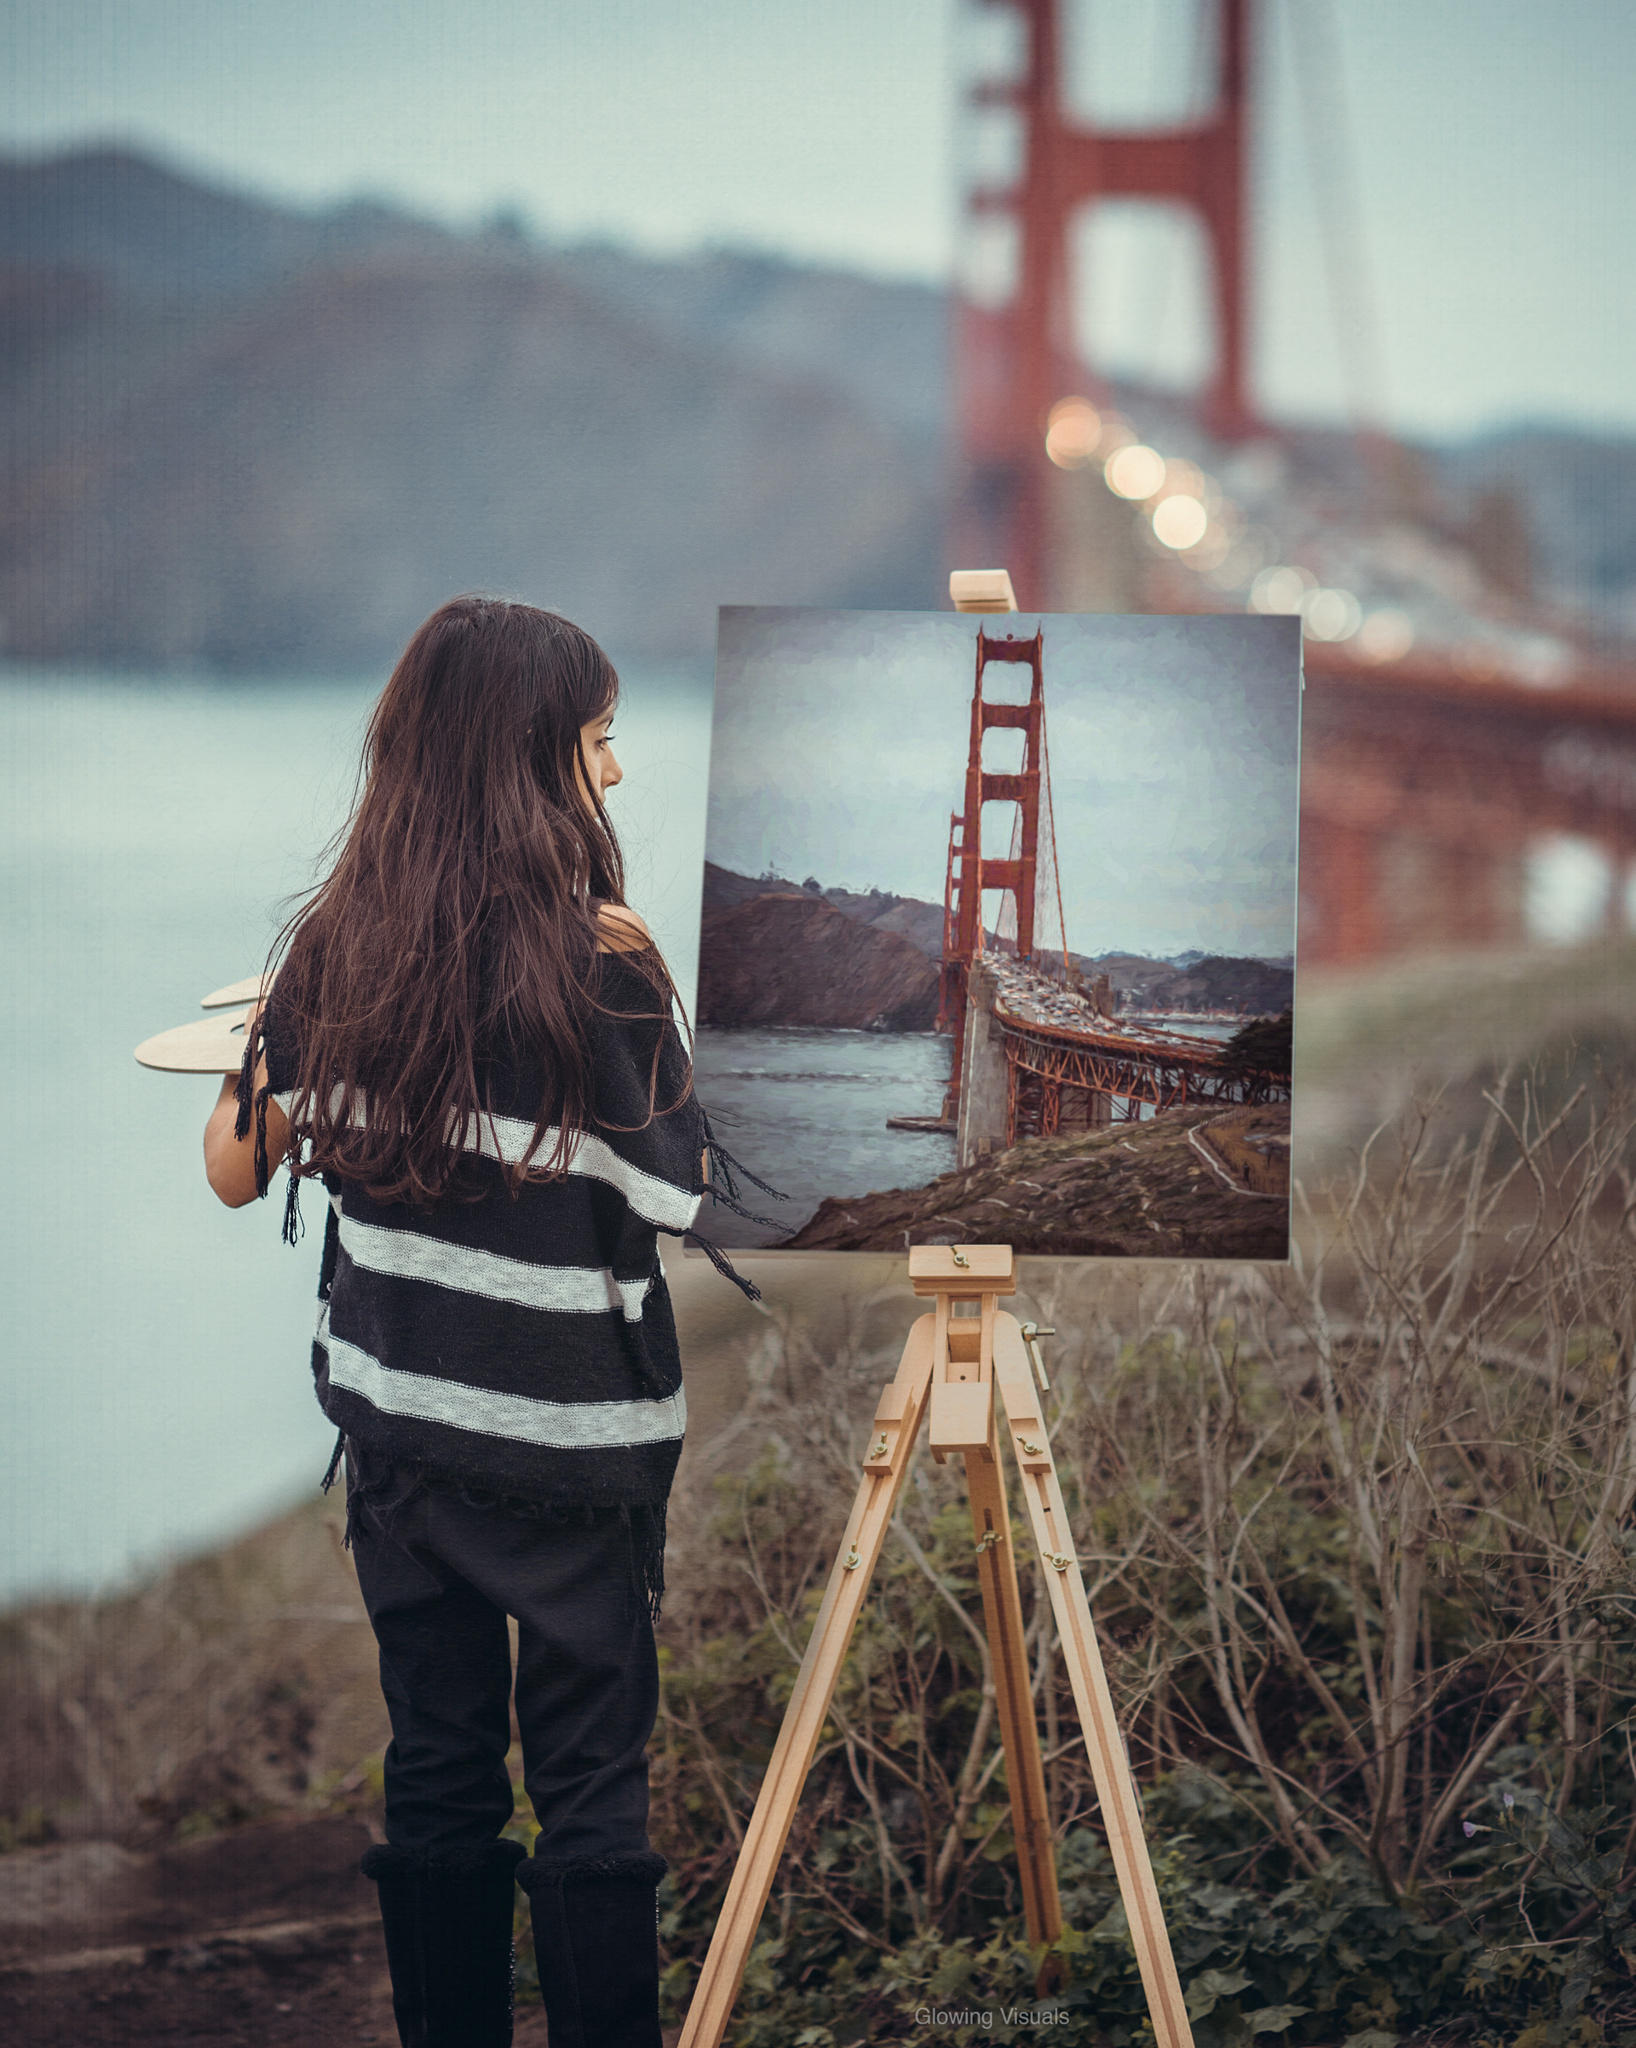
{"points": [[840, 750], [1488, 148]]}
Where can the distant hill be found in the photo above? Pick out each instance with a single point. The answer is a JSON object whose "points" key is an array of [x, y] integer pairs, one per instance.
{"points": [[1573, 496], [1207, 981], [905, 917], [236, 435], [372, 438], [157, 233], [723, 890], [1194, 982], [793, 959]]}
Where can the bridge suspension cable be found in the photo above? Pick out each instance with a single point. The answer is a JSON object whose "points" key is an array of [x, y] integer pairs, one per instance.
{"points": [[1315, 38]]}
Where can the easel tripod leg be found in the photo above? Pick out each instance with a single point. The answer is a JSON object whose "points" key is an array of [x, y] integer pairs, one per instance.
{"points": [[1104, 1743], [897, 1420], [1008, 1656]]}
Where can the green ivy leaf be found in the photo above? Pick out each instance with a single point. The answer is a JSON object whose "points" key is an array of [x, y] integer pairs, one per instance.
{"points": [[1208, 1990], [1273, 2019]]}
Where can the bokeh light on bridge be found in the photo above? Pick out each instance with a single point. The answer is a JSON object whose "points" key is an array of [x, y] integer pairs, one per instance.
{"points": [[1439, 685]]}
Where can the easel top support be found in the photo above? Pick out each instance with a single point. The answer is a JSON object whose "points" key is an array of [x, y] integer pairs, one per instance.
{"points": [[982, 590], [964, 1272]]}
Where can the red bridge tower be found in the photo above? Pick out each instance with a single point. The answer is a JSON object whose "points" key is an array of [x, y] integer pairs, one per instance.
{"points": [[1015, 361], [969, 872]]}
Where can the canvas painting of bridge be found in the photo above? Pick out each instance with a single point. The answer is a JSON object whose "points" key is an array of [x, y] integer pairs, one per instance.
{"points": [[998, 931]]}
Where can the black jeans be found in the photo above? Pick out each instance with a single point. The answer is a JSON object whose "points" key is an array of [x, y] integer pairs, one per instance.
{"points": [[439, 1575]]}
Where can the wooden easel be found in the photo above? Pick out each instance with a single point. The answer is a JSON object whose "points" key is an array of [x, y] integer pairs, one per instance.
{"points": [[954, 1363]]}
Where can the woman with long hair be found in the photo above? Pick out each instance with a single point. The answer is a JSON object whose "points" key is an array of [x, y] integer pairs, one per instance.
{"points": [[469, 1039]]}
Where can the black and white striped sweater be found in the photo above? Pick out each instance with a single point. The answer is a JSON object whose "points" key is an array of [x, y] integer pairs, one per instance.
{"points": [[523, 1346]]}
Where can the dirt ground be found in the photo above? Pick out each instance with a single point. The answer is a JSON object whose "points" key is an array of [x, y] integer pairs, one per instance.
{"points": [[258, 1937]]}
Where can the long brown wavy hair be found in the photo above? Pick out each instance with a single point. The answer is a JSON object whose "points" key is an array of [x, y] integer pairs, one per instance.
{"points": [[458, 922]]}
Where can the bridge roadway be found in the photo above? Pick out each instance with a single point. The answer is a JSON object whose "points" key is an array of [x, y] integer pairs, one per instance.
{"points": [[1040, 1059], [1424, 792], [1163, 1068]]}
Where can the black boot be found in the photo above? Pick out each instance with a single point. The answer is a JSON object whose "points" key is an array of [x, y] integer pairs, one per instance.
{"points": [[447, 1918], [596, 1942]]}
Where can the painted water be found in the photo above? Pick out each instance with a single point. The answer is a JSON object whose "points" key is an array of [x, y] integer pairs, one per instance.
{"points": [[156, 1385], [807, 1111]]}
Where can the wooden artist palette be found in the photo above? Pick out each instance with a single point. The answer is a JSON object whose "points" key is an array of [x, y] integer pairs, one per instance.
{"points": [[244, 991], [212, 1045]]}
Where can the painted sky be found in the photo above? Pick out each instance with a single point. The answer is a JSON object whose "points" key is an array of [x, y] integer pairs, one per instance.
{"points": [[1478, 161], [840, 745]]}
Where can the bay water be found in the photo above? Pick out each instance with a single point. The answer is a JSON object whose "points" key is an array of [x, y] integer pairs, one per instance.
{"points": [[808, 1111], [155, 1392]]}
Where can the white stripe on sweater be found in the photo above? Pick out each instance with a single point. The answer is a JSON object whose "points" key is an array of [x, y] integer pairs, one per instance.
{"points": [[562, 1425], [408, 1255], [508, 1140]]}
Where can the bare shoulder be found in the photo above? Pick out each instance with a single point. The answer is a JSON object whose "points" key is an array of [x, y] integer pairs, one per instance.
{"points": [[622, 930]]}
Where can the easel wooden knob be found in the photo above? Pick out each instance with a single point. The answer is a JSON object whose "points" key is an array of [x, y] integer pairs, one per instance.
{"points": [[955, 1361]]}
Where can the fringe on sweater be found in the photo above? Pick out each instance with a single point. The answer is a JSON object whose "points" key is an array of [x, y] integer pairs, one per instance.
{"points": [[383, 1498]]}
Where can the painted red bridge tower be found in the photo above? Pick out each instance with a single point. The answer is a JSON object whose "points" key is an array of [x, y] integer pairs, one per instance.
{"points": [[969, 871]]}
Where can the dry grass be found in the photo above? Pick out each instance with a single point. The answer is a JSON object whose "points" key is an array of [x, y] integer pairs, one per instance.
{"points": [[1253, 1145], [230, 1686], [1357, 1532]]}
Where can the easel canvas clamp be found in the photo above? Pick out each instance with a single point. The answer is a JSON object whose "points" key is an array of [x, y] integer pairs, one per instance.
{"points": [[957, 1361]]}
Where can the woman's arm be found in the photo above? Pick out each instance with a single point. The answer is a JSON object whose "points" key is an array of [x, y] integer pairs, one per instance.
{"points": [[230, 1162]]}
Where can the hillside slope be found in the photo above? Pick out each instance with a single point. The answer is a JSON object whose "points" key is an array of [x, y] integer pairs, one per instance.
{"points": [[796, 960], [1128, 1191], [319, 471], [238, 437], [731, 426], [1208, 982]]}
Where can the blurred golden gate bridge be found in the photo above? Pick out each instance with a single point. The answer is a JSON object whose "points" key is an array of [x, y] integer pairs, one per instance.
{"points": [[1449, 727]]}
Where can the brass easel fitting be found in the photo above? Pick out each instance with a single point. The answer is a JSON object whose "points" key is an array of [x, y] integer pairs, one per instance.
{"points": [[877, 1449], [1056, 1560], [1030, 1333], [1030, 1449], [987, 1541], [852, 1560]]}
